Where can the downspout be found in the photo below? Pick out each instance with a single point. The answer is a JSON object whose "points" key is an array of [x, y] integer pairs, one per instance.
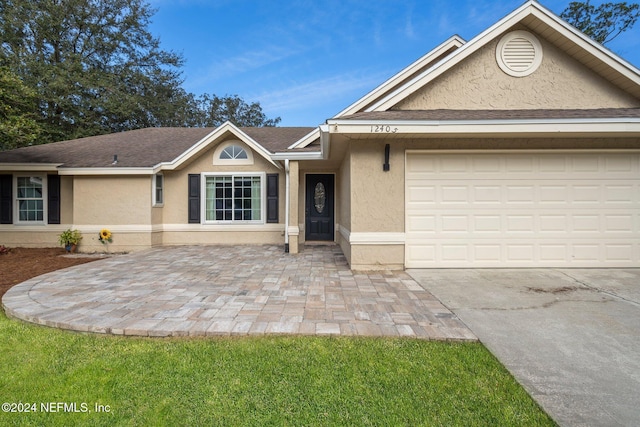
{"points": [[286, 205]]}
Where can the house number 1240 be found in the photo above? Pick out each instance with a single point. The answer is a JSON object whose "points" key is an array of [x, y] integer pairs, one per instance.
{"points": [[383, 129]]}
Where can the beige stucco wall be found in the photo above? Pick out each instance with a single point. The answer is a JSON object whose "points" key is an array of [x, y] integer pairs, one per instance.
{"points": [[175, 209], [478, 83], [294, 211], [121, 204], [112, 200], [377, 199], [344, 215], [377, 257]]}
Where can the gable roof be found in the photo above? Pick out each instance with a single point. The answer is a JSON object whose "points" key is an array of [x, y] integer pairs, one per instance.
{"points": [[535, 17], [149, 148], [410, 72]]}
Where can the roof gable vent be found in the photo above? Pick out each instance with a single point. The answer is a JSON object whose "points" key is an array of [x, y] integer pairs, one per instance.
{"points": [[519, 53]]}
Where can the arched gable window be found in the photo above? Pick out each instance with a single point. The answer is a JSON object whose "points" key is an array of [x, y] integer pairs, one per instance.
{"points": [[233, 153]]}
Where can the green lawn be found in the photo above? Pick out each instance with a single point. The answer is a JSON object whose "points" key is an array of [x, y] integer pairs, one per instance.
{"points": [[255, 381]]}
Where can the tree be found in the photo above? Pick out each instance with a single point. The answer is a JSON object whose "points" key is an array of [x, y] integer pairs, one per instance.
{"points": [[92, 63], [18, 107], [216, 110], [603, 23]]}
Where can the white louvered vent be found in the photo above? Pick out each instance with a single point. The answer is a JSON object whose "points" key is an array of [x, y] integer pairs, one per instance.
{"points": [[519, 53]]}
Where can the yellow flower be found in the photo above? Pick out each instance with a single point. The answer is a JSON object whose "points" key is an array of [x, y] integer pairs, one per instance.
{"points": [[105, 234]]}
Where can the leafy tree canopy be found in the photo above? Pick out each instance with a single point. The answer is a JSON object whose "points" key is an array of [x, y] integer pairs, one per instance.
{"points": [[603, 23], [95, 68], [18, 124], [217, 110]]}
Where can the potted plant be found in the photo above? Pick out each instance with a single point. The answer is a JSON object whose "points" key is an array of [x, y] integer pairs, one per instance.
{"points": [[69, 239]]}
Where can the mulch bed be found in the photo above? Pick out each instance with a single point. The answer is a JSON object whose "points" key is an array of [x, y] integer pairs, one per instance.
{"points": [[20, 264]]}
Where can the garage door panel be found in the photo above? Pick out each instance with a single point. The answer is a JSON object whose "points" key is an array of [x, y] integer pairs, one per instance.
{"points": [[523, 210], [620, 223], [554, 194], [622, 252], [556, 253]]}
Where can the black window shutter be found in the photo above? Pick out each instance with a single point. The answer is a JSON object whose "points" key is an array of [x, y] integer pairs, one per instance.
{"points": [[53, 194], [194, 199], [6, 199], [272, 197]]}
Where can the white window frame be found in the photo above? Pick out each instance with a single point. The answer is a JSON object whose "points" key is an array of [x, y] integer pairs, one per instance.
{"points": [[154, 190], [16, 200], [218, 152], [263, 195]]}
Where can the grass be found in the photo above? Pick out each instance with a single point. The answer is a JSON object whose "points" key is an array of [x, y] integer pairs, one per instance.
{"points": [[256, 381]]}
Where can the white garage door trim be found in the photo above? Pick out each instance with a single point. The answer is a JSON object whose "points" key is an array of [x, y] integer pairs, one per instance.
{"points": [[522, 209]]}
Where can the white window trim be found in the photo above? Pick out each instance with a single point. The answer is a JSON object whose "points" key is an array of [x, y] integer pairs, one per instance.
{"points": [[154, 188], [218, 161], [45, 200], [263, 196]]}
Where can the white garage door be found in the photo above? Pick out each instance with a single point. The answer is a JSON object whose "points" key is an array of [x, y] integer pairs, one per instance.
{"points": [[522, 210]]}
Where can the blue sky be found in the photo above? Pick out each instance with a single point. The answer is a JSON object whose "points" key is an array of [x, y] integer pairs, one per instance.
{"points": [[306, 60]]}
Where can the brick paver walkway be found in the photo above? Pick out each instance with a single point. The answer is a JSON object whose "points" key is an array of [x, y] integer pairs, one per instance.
{"points": [[232, 290]]}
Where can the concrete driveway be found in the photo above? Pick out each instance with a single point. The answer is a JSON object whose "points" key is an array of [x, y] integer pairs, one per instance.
{"points": [[570, 336]]}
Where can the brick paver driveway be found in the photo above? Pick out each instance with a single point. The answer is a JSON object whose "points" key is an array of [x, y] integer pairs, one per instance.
{"points": [[232, 290]]}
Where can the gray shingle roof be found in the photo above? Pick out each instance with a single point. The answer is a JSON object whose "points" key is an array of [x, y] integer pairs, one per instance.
{"points": [[140, 148]]}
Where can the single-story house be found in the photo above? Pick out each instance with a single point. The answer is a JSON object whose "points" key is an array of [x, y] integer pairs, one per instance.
{"points": [[518, 148]]}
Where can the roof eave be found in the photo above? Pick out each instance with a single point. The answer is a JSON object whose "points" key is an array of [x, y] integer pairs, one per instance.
{"points": [[106, 171], [627, 127], [307, 155], [35, 167]]}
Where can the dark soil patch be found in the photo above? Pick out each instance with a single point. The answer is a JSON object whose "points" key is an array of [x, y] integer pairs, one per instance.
{"points": [[20, 264]]}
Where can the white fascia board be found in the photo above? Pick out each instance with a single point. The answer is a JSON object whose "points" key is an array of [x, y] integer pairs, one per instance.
{"points": [[306, 155], [530, 127], [305, 140], [204, 143], [36, 167], [322, 133], [106, 171], [594, 48], [454, 41]]}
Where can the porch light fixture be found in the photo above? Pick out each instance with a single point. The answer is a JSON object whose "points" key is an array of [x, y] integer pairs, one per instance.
{"points": [[385, 166]]}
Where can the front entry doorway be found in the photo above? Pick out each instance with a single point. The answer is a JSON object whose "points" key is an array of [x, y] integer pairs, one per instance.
{"points": [[319, 207]]}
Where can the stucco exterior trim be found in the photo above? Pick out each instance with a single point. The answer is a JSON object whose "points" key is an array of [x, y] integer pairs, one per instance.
{"points": [[371, 238]]}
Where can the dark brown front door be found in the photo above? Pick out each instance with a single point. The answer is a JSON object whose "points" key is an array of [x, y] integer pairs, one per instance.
{"points": [[319, 224]]}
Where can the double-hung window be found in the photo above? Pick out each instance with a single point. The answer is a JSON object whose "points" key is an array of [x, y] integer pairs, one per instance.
{"points": [[30, 198], [234, 198], [158, 189]]}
